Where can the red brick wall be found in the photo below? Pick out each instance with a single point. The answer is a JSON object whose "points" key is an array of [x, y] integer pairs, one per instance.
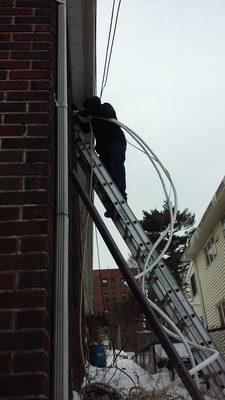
{"points": [[27, 132]]}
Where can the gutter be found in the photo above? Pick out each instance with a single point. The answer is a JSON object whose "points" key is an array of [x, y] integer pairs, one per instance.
{"points": [[61, 339]]}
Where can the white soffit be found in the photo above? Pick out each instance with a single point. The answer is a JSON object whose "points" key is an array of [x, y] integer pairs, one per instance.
{"points": [[82, 48]]}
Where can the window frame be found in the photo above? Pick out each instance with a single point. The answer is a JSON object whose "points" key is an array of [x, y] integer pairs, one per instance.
{"points": [[210, 251], [194, 286]]}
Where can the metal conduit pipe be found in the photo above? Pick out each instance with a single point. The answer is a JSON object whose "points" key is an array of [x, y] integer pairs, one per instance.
{"points": [[61, 340]]}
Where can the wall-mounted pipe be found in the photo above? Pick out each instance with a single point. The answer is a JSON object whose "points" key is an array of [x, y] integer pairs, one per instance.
{"points": [[61, 343]]}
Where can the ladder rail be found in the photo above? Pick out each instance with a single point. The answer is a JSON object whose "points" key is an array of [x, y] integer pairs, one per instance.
{"points": [[177, 362], [164, 285]]}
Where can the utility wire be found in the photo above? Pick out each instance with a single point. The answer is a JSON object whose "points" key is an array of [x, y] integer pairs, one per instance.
{"points": [[108, 58], [107, 48]]}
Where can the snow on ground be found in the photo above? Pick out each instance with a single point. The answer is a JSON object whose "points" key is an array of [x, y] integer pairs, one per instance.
{"points": [[125, 374]]}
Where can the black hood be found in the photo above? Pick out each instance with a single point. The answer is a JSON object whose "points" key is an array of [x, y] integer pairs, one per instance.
{"points": [[92, 104]]}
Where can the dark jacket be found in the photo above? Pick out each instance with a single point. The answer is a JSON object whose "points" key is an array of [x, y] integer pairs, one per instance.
{"points": [[106, 132]]}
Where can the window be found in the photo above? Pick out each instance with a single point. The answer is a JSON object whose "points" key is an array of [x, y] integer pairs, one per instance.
{"points": [[221, 310], [105, 300], [113, 282], [210, 251], [122, 281], [193, 285], [104, 282], [223, 224]]}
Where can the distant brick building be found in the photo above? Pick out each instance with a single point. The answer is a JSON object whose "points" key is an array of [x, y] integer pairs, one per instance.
{"points": [[113, 300], [108, 286]]}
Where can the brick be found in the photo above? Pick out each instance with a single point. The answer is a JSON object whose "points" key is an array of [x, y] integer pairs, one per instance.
{"points": [[39, 74], [15, 11], [25, 143], [24, 169], [43, 11], [5, 363], [11, 183], [12, 130], [32, 319], [6, 3], [7, 280], [6, 320], [31, 361], [15, 46], [33, 279], [8, 245], [28, 96], [35, 212], [12, 64], [33, 20], [12, 107], [37, 182], [2, 98], [39, 85], [18, 340], [33, 3], [5, 20], [3, 75], [4, 54], [4, 37], [42, 46], [31, 197], [37, 156], [11, 156], [22, 228], [39, 107], [23, 298], [24, 261], [30, 55], [39, 243], [43, 64], [9, 213], [15, 28], [30, 37], [39, 130], [43, 28], [14, 85], [28, 384], [26, 118]]}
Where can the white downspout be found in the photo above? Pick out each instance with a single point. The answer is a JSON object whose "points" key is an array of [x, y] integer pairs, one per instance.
{"points": [[61, 352]]}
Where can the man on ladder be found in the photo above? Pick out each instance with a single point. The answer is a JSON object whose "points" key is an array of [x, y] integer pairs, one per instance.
{"points": [[110, 142]]}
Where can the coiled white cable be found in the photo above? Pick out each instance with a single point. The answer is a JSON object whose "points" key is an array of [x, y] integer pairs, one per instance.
{"points": [[173, 213]]}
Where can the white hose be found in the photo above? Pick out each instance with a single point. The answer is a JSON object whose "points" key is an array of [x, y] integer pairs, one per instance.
{"points": [[173, 213]]}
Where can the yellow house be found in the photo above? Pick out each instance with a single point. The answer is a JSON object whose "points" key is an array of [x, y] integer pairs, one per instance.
{"points": [[206, 274]]}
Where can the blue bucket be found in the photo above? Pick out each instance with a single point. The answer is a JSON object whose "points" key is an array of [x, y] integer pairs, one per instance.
{"points": [[97, 355]]}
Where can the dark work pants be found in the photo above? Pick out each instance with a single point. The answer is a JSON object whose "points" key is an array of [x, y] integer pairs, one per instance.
{"points": [[113, 158]]}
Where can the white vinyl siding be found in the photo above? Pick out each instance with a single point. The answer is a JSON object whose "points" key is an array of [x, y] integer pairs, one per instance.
{"points": [[211, 278]]}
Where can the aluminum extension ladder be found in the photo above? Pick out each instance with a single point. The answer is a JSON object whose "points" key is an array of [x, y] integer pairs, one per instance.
{"points": [[170, 297]]}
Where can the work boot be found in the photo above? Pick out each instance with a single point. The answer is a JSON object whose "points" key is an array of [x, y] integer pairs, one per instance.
{"points": [[109, 212]]}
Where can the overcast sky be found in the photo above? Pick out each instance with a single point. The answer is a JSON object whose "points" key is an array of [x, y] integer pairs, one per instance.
{"points": [[167, 82]]}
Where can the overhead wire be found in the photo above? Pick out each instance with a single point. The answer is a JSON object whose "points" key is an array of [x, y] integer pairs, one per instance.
{"points": [[108, 57], [107, 48]]}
